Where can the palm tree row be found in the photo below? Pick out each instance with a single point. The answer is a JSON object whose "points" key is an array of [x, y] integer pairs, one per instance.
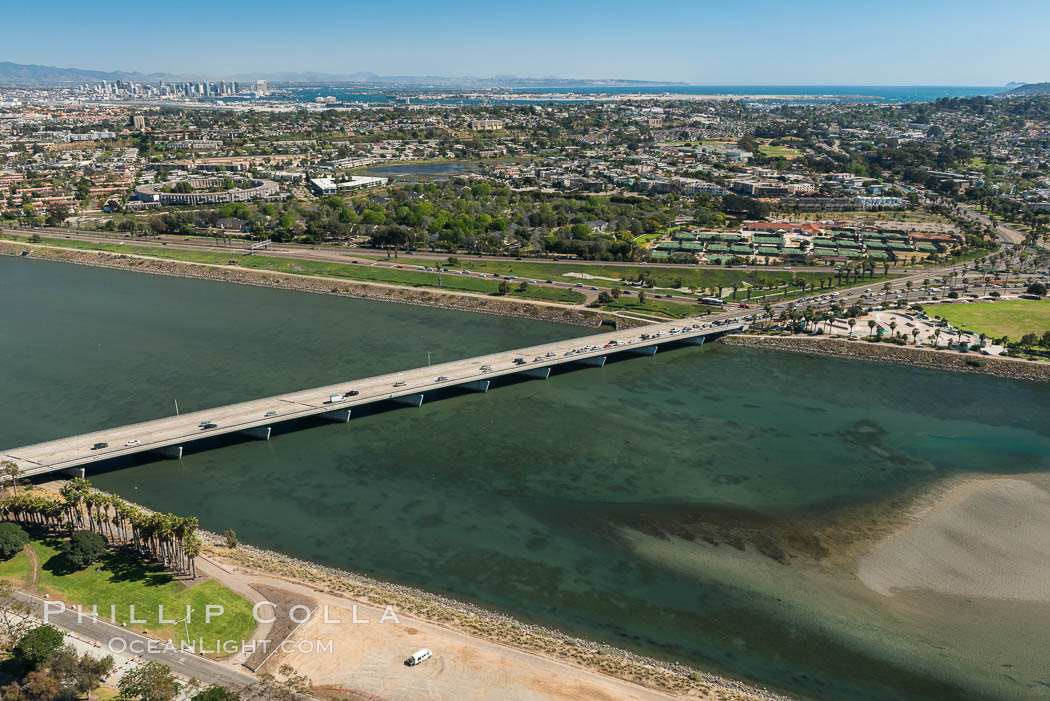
{"points": [[169, 539]]}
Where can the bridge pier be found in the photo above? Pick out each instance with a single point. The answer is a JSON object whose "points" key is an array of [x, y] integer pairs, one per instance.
{"points": [[339, 416], [595, 362], [169, 451], [260, 432], [74, 472], [644, 350], [477, 386], [694, 340], [539, 373], [409, 400]]}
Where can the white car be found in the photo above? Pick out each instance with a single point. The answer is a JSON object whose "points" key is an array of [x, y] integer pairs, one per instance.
{"points": [[131, 444]]}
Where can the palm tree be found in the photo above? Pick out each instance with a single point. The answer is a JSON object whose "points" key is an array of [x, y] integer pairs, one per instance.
{"points": [[852, 323], [871, 327], [11, 470], [915, 335]]}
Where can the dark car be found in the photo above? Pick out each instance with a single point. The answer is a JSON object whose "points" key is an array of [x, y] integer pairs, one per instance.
{"points": [[207, 425], [351, 393], [100, 446]]}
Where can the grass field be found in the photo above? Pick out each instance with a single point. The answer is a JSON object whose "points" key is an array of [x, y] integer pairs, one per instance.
{"points": [[1013, 318], [662, 277], [778, 151], [654, 307], [392, 276], [16, 570], [123, 580]]}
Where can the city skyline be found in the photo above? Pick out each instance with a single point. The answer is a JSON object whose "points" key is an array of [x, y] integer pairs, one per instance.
{"points": [[702, 43]]}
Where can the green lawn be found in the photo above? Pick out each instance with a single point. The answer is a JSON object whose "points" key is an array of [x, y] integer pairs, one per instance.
{"points": [[1013, 318], [393, 276], [662, 277], [778, 151], [123, 580], [16, 570], [655, 307]]}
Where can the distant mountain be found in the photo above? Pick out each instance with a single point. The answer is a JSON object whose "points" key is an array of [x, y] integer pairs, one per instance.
{"points": [[21, 74], [1030, 89]]}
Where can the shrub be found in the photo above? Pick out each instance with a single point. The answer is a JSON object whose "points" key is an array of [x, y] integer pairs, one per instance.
{"points": [[38, 645], [83, 548], [12, 540]]}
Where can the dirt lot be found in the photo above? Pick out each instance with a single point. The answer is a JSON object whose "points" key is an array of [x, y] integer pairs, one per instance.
{"points": [[369, 659]]}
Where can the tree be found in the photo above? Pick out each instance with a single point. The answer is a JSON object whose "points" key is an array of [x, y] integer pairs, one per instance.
{"points": [[216, 693], [504, 287], [38, 645], [11, 471], [641, 297], [12, 539], [852, 323], [14, 616], [604, 298], [38, 685], [231, 538], [83, 548], [1037, 288], [78, 675], [1029, 340], [149, 681]]}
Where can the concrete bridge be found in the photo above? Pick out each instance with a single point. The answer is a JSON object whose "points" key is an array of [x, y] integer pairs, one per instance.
{"points": [[336, 402]]}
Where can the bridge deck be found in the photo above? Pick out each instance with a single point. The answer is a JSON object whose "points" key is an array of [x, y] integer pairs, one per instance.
{"points": [[76, 451]]}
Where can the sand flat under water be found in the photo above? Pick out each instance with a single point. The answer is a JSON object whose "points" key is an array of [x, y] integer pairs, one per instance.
{"points": [[986, 538]]}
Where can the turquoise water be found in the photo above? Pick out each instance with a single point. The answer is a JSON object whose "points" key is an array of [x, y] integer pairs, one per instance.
{"points": [[688, 506]]}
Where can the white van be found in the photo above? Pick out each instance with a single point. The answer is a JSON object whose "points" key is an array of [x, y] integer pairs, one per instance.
{"points": [[417, 657]]}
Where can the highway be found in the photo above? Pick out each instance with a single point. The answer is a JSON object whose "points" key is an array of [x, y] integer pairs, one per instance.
{"points": [[408, 387]]}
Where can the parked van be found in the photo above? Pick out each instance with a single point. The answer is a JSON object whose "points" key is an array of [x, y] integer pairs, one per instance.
{"points": [[417, 657]]}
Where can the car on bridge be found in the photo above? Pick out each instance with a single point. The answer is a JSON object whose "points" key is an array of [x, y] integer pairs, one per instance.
{"points": [[441, 379], [271, 412], [208, 425], [399, 383], [351, 393], [100, 445], [131, 444]]}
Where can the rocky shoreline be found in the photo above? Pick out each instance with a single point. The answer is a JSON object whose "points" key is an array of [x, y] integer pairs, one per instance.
{"points": [[930, 359], [321, 285], [476, 621]]}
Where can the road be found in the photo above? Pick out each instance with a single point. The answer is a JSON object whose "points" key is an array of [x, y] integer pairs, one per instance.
{"points": [[1007, 235], [120, 639], [407, 387]]}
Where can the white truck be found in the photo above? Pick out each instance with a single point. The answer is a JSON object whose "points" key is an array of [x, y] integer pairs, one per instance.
{"points": [[335, 399]]}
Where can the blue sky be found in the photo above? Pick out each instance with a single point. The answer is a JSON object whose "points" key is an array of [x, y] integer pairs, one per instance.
{"points": [[921, 42]]}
